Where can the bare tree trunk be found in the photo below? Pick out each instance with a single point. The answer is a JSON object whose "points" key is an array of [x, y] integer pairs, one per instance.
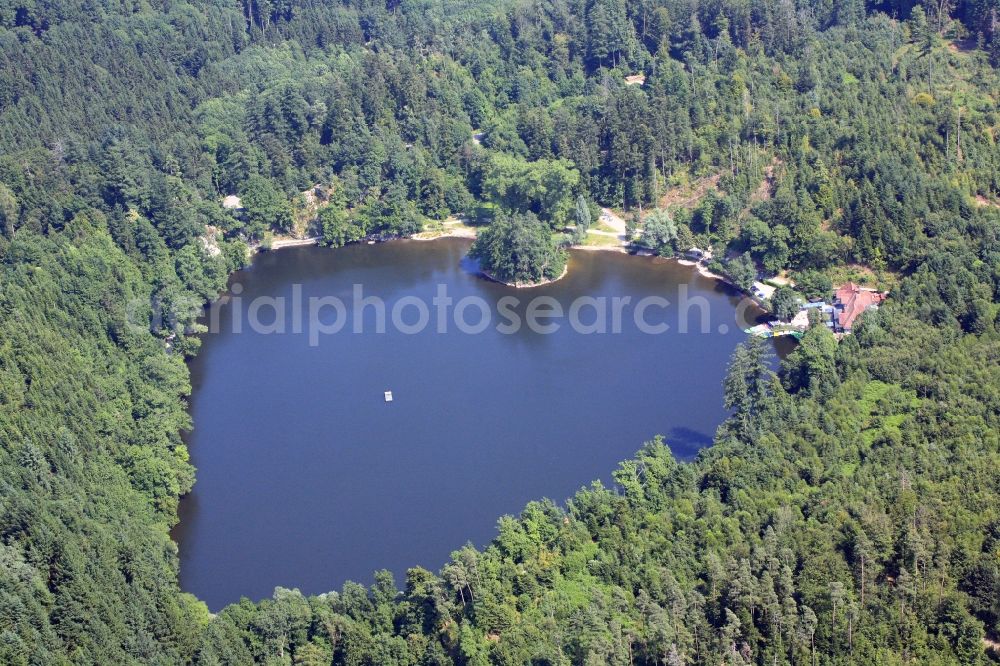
{"points": [[862, 580], [958, 143]]}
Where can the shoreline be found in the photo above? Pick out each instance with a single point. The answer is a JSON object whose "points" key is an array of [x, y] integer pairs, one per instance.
{"points": [[621, 249], [526, 285], [463, 232], [468, 233], [281, 243], [704, 271]]}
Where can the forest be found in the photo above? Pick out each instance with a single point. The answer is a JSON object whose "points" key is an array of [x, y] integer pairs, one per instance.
{"points": [[849, 509]]}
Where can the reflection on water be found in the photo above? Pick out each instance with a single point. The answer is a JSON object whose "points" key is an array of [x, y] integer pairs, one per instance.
{"points": [[308, 478]]}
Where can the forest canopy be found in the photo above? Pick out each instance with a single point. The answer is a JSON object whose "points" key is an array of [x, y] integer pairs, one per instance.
{"points": [[848, 511]]}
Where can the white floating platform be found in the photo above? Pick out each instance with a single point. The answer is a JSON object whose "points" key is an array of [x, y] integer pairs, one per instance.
{"points": [[388, 396]]}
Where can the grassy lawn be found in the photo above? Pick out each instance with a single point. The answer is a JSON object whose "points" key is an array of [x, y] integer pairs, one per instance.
{"points": [[600, 226], [595, 240], [864, 276], [435, 228]]}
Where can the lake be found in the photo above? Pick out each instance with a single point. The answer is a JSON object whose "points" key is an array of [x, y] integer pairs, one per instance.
{"points": [[308, 477]]}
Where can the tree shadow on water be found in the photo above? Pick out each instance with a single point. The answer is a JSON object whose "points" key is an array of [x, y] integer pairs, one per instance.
{"points": [[685, 443]]}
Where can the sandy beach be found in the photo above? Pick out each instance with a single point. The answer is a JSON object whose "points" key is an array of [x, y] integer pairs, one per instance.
{"points": [[280, 243]]}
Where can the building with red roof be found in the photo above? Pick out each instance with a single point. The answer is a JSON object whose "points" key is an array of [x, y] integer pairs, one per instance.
{"points": [[849, 301]]}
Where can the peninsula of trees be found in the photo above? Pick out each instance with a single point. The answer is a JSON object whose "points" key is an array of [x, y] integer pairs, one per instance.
{"points": [[519, 250]]}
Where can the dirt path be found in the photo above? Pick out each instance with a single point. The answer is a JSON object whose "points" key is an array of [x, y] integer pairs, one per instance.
{"points": [[609, 218], [609, 234]]}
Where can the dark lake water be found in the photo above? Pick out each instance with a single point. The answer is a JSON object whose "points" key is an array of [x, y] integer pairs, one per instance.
{"points": [[308, 478]]}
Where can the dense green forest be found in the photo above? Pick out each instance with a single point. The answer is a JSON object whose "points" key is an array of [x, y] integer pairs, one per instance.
{"points": [[849, 511]]}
